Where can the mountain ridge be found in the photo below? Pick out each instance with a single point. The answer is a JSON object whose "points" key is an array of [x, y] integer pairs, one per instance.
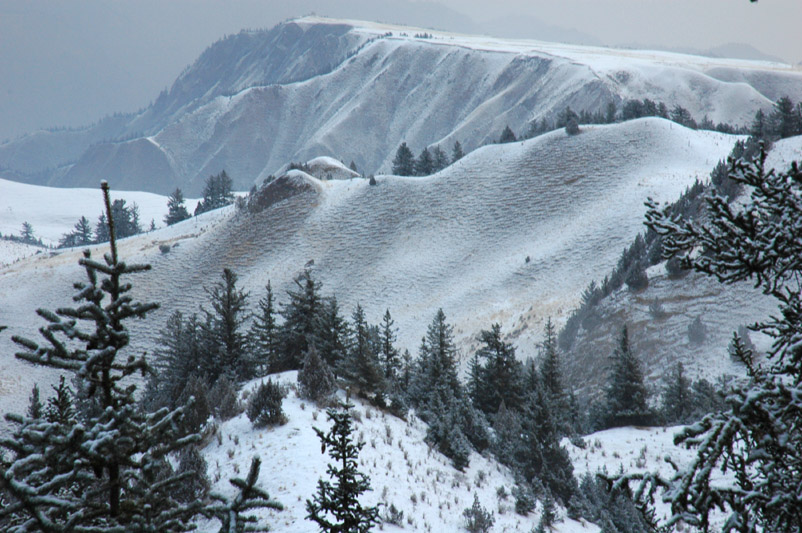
{"points": [[233, 107]]}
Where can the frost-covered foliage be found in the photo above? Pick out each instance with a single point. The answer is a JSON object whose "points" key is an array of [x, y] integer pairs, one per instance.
{"points": [[759, 437], [336, 505], [315, 380], [477, 518], [104, 466], [264, 406]]}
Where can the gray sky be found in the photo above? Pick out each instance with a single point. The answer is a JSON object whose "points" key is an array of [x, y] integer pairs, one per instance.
{"points": [[71, 62]]}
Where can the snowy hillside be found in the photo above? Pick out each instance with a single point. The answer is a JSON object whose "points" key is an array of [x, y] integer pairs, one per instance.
{"points": [[457, 240], [661, 339], [404, 471], [53, 212], [354, 91]]}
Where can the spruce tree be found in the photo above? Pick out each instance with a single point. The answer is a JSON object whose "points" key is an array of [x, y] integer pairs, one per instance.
{"points": [[315, 379], [439, 159], [227, 353], [60, 407], [263, 336], [507, 136], [35, 407], [336, 506], [301, 318], [677, 404], [404, 161], [424, 164], [106, 473], [216, 193], [626, 393], [176, 210], [457, 153], [501, 375], [362, 366], [332, 335], [27, 234], [388, 353], [179, 355], [551, 367]]}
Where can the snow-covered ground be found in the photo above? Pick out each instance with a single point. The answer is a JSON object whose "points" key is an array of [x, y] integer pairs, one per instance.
{"points": [[403, 470], [459, 240], [53, 212]]}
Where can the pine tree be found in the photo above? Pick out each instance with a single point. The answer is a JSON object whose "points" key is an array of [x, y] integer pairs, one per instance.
{"points": [[404, 162], [263, 336], [264, 406], [107, 476], [336, 506], [439, 159], [457, 153], [27, 234], [551, 367], [362, 366], [301, 318], [388, 353], [501, 375], [176, 210], [216, 193], [332, 334], [227, 353], [677, 404], [81, 235], [424, 165], [507, 136], [315, 380], [60, 409], [759, 435], [626, 393], [35, 408], [179, 355]]}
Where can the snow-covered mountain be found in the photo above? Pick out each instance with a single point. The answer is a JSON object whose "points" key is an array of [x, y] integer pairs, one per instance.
{"points": [[354, 91]]}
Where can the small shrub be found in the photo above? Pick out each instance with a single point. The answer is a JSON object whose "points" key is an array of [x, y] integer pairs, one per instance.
{"points": [[196, 485], [477, 519], [524, 499], [164, 248], [675, 269], [264, 406], [315, 379], [657, 310], [392, 515], [636, 279], [223, 399], [697, 331]]}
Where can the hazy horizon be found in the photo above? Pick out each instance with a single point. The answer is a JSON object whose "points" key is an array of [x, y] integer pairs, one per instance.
{"points": [[70, 64]]}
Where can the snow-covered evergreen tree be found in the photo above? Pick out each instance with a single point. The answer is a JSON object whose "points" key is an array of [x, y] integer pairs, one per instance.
{"points": [[362, 366], [500, 377], [626, 394], [105, 472], [336, 507], [216, 193], [315, 379], [176, 210], [677, 403], [759, 436], [332, 334], [457, 153], [301, 318], [404, 161], [263, 336], [228, 351]]}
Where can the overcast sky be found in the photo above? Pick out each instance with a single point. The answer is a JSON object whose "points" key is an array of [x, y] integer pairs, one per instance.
{"points": [[70, 62]]}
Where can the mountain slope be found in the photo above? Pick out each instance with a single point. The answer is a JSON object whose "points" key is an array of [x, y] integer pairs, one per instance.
{"points": [[353, 90], [457, 240]]}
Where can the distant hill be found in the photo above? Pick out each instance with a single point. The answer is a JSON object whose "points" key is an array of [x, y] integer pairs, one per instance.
{"points": [[354, 91]]}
